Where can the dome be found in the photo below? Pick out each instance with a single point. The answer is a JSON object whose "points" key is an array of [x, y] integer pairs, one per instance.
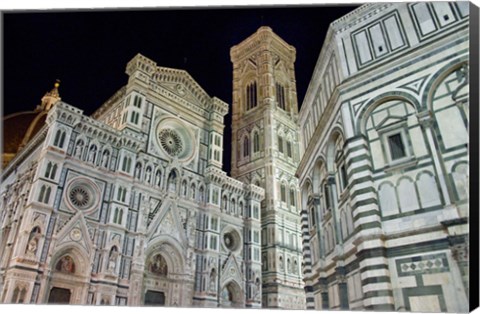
{"points": [[20, 127]]}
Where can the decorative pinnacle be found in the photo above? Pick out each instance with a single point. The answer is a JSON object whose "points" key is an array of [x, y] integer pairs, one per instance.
{"points": [[51, 97]]}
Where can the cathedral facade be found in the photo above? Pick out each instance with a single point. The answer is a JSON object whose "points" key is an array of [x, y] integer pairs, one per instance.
{"points": [[384, 168], [129, 206]]}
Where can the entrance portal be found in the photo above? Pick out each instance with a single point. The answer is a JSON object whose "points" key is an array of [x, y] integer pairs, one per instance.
{"points": [[154, 298], [232, 296], [59, 296]]}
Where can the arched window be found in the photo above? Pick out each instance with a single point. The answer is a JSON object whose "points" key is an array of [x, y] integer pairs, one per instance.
{"points": [[51, 170], [127, 163], [224, 202], [251, 95], [292, 197], [280, 144], [201, 195], [118, 216], [246, 147], [326, 195], [313, 220], [256, 142], [44, 195], [59, 138], [280, 93], [122, 194], [283, 193], [240, 208], [289, 149]]}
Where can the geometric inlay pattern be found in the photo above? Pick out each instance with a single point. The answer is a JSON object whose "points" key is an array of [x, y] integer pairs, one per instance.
{"points": [[426, 264]]}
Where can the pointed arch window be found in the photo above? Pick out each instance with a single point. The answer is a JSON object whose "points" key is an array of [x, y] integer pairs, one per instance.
{"points": [[280, 144], [283, 193], [118, 215], [59, 139], [289, 149], [280, 93], [292, 197], [246, 147], [51, 170], [256, 142], [137, 102], [127, 163], [251, 95], [122, 194], [326, 195], [44, 195]]}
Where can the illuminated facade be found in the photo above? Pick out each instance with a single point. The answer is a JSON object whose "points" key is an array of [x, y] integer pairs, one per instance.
{"points": [[384, 169], [129, 206]]}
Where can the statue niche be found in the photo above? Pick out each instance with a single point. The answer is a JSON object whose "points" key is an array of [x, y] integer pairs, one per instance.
{"points": [[158, 266]]}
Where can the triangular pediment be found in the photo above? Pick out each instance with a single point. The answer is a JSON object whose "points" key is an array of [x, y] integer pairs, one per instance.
{"points": [[75, 230], [231, 270], [182, 85], [168, 223]]}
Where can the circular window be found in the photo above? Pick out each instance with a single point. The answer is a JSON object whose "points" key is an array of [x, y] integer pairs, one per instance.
{"points": [[82, 194], [228, 240], [80, 197], [171, 141], [175, 139], [231, 240]]}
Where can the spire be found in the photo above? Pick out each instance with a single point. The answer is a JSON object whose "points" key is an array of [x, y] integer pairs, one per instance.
{"points": [[51, 97]]}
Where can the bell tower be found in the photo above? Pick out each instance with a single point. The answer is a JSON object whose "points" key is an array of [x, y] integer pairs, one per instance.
{"points": [[265, 152]]}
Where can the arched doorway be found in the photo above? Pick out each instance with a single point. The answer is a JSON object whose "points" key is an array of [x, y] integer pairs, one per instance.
{"points": [[67, 282], [64, 267], [166, 279], [232, 295]]}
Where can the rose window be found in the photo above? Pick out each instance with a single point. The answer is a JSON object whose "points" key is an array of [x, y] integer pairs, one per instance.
{"points": [[80, 197], [232, 240], [228, 240], [82, 194], [171, 142]]}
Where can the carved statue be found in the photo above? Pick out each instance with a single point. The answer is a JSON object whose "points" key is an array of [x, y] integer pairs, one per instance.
{"points": [[213, 280], [112, 260], [78, 149], [105, 159], [32, 246]]}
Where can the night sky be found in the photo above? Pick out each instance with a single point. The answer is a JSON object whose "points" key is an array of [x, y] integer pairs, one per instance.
{"points": [[88, 50]]}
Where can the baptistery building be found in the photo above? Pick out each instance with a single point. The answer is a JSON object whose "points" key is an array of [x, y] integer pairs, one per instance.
{"points": [[384, 167]]}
